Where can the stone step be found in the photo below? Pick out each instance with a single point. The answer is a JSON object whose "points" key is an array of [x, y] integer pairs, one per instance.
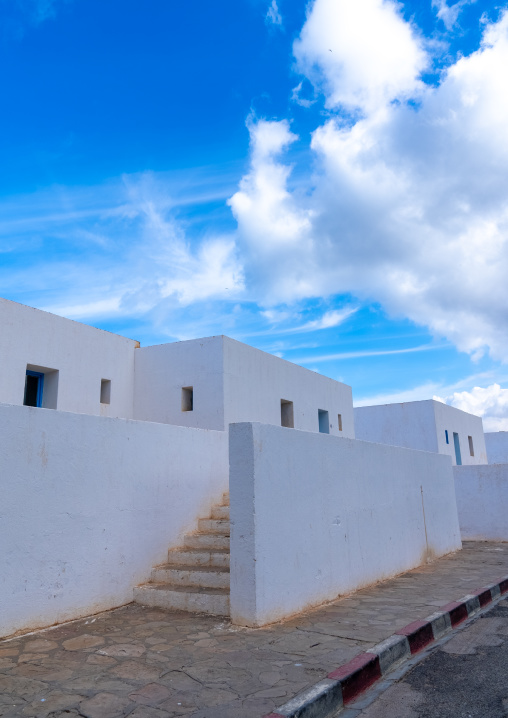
{"points": [[196, 557], [220, 512], [214, 526], [214, 601], [208, 542], [185, 576]]}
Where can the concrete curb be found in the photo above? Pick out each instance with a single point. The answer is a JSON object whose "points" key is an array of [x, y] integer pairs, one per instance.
{"points": [[344, 684]]}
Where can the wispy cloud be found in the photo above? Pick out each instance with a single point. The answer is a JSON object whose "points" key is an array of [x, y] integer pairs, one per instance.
{"points": [[449, 14], [273, 16], [117, 249], [19, 15], [368, 353]]}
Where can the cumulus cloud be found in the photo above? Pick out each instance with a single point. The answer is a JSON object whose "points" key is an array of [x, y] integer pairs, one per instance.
{"points": [[360, 52], [491, 403], [272, 225], [408, 204]]}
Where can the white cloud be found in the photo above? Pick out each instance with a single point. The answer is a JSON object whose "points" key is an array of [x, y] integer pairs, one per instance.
{"points": [[491, 403], [296, 96], [408, 205], [360, 52], [273, 16], [272, 226], [136, 255], [329, 320], [449, 14], [366, 353]]}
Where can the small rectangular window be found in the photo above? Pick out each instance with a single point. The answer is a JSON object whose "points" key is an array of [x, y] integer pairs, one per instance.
{"points": [[471, 449], [287, 418], [187, 398], [446, 436], [324, 425], [105, 391], [340, 422]]}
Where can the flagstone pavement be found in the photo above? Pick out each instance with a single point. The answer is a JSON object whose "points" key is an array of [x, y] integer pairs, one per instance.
{"points": [[145, 663]]}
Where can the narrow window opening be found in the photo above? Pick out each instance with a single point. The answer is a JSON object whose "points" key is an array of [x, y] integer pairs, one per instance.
{"points": [[456, 443], [340, 422], [187, 398], [324, 425], [105, 391], [34, 383], [446, 436], [287, 418], [471, 448]]}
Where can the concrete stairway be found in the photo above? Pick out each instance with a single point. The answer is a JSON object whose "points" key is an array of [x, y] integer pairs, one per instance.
{"points": [[196, 577]]}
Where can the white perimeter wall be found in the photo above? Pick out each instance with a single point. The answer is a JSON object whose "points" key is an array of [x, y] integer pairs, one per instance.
{"points": [[497, 447], [482, 501], [81, 354], [410, 424], [314, 516], [90, 504], [162, 371], [255, 382]]}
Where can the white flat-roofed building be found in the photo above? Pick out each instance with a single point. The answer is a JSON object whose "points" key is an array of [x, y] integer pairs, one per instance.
{"points": [[426, 425], [56, 363]]}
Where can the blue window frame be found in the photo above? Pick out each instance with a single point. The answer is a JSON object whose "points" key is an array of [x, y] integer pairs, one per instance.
{"points": [[34, 385], [446, 436]]}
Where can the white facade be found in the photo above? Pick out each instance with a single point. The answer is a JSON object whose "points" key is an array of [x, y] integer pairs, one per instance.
{"points": [[229, 381], [233, 382], [316, 516], [426, 425], [497, 447], [74, 358]]}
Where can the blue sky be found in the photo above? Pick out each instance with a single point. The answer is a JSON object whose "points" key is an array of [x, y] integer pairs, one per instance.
{"points": [[327, 181]]}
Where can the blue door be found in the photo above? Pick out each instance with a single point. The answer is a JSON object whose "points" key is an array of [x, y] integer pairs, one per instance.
{"points": [[456, 444], [34, 383]]}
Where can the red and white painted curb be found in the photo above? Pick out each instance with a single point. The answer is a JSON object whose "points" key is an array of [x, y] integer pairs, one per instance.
{"points": [[343, 685]]}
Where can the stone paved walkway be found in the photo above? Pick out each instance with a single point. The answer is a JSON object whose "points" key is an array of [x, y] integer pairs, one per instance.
{"points": [[147, 663]]}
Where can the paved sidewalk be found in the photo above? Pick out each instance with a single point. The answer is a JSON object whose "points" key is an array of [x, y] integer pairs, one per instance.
{"points": [[149, 663]]}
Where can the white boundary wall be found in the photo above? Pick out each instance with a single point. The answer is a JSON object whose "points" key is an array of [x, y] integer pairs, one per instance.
{"points": [[89, 504], [482, 501], [497, 447], [314, 517]]}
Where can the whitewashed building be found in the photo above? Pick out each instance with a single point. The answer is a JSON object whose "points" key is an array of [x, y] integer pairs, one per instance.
{"points": [[118, 464], [496, 443], [426, 425]]}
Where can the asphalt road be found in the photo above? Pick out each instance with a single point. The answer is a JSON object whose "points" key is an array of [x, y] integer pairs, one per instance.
{"points": [[464, 677]]}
